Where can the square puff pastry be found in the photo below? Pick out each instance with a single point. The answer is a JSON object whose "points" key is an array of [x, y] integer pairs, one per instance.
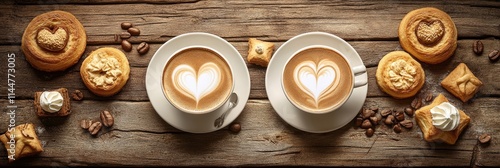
{"points": [[26, 141], [423, 117], [259, 52], [462, 83]]}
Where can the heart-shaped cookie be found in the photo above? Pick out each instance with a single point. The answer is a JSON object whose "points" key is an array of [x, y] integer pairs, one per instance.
{"points": [[54, 39], [316, 79], [429, 32], [196, 84]]}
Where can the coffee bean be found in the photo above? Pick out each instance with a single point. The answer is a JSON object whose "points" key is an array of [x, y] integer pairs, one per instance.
{"points": [[95, 127], [235, 127], [409, 111], [407, 124], [477, 47], [368, 113], [385, 112], [396, 128], [399, 115], [143, 48], [485, 138], [85, 124], [494, 55], [126, 46], [107, 119], [134, 31], [125, 35], [374, 120], [369, 132], [126, 25], [428, 97], [374, 109], [416, 103], [358, 122], [77, 95], [389, 120], [379, 117], [366, 124]]}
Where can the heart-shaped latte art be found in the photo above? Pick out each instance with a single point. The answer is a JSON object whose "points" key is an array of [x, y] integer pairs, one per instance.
{"points": [[196, 84], [429, 32], [316, 79], [52, 39]]}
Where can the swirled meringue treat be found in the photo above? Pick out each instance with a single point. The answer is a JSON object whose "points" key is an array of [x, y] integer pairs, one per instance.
{"points": [[399, 75], [105, 71], [441, 121], [52, 103], [428, 34]]}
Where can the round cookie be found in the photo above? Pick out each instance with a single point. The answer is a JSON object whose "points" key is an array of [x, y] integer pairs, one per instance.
{"points": [[105, 71], [428, 34], [54, 41], [399, 75]]}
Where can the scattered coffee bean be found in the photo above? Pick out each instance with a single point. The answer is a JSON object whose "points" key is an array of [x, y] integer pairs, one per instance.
{"points": [[416, 103], [374, 120], [399, 115], [477, 47], [409, 111], [408, 124], [494, 55], [428, 97], [369, 132], [107, 119], [126, 25], [358, 122], [85, 124], [126, 46], [374, 109], [367, 113], [485, 138], [143, 48], [385, 112], [125, 35], [379, 117], [134, 31], [396, 128], [366, 124], [389, 120], [95, 127], [77, 95], [235, 127]]}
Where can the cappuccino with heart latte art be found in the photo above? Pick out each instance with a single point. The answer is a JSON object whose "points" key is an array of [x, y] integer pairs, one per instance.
{"points": [[197, 80], [317, 80]]}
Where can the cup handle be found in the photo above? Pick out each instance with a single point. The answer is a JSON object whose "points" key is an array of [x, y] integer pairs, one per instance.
{"points": [[360, 76], [233, 101]]}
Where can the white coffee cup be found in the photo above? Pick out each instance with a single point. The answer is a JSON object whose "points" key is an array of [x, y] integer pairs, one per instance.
{"points": [[324, 83]]}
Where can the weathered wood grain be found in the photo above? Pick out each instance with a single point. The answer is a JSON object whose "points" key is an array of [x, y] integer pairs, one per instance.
{"points": [[238, 20], [140, 138], [370, 52]]}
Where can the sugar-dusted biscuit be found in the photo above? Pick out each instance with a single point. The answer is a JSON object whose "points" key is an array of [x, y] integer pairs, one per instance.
{"points": [[24, 140], [462, 83]]}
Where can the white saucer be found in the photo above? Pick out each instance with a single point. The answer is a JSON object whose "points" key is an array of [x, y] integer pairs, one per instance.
{"points": [[315, 123], [200, 123]]}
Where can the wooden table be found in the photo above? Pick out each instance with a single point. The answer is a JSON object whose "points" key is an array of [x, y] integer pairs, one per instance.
{"points": [[141, 138]]}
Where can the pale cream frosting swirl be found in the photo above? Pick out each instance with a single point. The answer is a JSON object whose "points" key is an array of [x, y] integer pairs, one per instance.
{"points": [[51, 101], [103, 70], [445, 117]]}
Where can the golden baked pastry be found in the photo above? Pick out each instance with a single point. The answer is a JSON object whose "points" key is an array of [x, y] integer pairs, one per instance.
{"points": [[53, 103], [462, 83], [428, 34], [259, 52], [432, 133], [23, 140], [54, 41], [399, 75], [105, 71]]}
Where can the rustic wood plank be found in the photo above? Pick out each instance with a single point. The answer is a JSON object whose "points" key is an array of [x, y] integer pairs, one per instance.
{"points": [[140, 138], [236, 21], [370, 52]]}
